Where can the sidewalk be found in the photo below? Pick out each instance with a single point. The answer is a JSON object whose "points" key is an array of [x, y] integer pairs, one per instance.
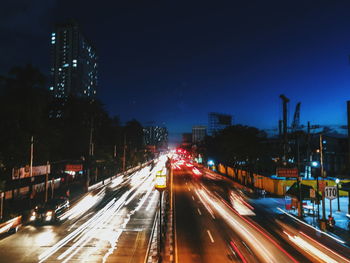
{"points": [[342, 221]]}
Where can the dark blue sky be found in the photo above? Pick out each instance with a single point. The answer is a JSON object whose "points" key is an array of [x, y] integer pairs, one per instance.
{"points": [[172, 62]]}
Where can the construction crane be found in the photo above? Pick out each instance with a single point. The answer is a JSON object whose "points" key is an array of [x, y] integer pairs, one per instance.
{"points": [[285, 100], [296, 120]]}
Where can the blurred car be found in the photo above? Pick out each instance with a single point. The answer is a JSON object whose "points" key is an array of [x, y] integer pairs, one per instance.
{"points": [[50, 212]]}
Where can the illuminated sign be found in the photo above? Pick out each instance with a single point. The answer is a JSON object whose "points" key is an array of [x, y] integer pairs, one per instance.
{"points": [[287, 172], [161, 179]]}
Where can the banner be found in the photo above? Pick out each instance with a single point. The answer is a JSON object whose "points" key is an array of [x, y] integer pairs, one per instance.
{"points": [[287, 172], [24, 172], [74, 167]]}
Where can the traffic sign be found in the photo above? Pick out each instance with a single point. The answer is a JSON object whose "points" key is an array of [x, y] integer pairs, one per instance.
{"points": [[330, 192]]}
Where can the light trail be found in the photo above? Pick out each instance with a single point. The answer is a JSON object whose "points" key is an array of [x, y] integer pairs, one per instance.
{"points": [[102, 220], [263, 246]]}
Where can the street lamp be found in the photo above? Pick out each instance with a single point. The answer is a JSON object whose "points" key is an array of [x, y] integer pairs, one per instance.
{"points": [[316, 164], [337, 181]]}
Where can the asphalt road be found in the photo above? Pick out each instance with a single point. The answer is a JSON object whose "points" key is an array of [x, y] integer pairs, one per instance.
{"points": [[111, 225], [217, 222], [208, 229]]}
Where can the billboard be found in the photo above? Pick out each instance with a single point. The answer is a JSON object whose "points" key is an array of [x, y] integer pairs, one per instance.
{"points": [[74, 167], [287, 172], [24, 172]]}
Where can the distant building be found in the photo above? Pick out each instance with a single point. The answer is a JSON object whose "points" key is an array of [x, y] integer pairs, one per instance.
{"points": [[198, 133], [74, 63], [186, 140], [218, 122], [155, 136]]}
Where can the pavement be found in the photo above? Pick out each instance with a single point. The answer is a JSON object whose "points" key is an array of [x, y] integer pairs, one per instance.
{"points": [[342, 221]]}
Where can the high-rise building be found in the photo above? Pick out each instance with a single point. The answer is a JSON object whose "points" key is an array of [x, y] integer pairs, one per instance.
{"points": [[198, 133], [74, 63], [218, 121], [156, 136]]}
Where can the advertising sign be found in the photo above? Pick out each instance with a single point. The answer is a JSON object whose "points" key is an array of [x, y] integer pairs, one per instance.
{"points": [[24, 172], [74, 167], [287, 172]]}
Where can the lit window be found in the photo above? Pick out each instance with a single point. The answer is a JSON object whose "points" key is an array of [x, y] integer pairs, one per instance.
{"points": [[53, 42], [53, 34], [74, 65], [51, 88], [53, 38], [74, 61], [66, 65], [59, 69], [84, 91]]}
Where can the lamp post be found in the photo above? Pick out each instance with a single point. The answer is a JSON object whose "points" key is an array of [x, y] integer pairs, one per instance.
{"points": [[315, 164], [337, 183]]}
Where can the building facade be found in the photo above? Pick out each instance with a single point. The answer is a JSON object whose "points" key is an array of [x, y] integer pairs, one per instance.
{"points": [[218, 122], [74, 63], [198, 133]]}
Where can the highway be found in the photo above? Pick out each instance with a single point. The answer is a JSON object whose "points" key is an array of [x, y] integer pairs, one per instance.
{"points": [[214, 222], [110, 224]]}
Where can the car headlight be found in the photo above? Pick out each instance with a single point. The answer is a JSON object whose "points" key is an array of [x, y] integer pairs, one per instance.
{"points": [[32, 217], [49, 213]]}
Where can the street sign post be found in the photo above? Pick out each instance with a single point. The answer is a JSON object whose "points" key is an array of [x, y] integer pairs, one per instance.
{"points": [[330, 193]]}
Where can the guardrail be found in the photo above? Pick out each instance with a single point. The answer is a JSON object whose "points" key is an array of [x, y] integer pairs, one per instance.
{"points": [[153, 240]]}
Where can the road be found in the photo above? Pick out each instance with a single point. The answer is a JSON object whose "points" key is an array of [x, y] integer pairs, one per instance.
{"points": [[112, 224], [214, 223]]}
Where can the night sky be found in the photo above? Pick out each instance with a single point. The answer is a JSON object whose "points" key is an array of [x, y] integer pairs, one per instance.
{"points": [[172, 62]]}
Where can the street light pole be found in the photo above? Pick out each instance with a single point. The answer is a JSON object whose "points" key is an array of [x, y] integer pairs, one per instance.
{"points": [[322, 174], [337, 183]]}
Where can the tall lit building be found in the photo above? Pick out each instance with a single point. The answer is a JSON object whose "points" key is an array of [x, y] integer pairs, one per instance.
{"points": [[74, 63], [156, 136], [218, 122], [198, 133]]}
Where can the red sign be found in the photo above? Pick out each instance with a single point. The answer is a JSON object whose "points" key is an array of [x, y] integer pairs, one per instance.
{"points": [[287, 172], [74, 167], [321, 185]]}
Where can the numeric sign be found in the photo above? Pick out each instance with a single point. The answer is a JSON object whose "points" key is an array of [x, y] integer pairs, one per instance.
{"points": [[330, 192]]}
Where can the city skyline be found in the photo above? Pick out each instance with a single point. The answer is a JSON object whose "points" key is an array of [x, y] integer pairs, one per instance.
{"points": [[154, 68]]}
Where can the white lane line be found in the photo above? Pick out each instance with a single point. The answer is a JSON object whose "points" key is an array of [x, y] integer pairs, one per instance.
{"points": [[210, 236], [189, 189], [199, 211], [192, 197], [247, 247]]}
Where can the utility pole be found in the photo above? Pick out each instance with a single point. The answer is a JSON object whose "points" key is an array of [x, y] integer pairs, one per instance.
{"points": [[46, 180], [91, 153], [300, 206], [285, 100], [31, 168], [124, 152], [322, 174]]}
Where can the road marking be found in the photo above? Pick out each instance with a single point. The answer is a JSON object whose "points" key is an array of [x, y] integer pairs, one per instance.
{"points": [[210, 236], [192, 197], [199, 211], [189, 189], [247, 247]]}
